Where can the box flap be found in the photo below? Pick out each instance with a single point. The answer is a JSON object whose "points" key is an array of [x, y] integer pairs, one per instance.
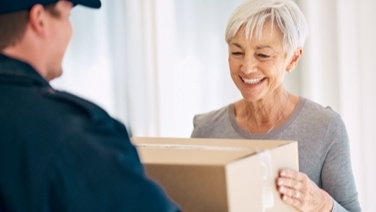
{"points": [[205, 151]]}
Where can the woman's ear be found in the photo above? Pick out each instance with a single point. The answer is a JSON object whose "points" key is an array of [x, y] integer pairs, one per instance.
{"points": [[294, 60]]}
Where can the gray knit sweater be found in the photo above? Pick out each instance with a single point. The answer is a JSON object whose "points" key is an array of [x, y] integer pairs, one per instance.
{"points": [[323, 145]]}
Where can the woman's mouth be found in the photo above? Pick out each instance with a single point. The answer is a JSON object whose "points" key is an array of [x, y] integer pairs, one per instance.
{"points": [[252, 81]]}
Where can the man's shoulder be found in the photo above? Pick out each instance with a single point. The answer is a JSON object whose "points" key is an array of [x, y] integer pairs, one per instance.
{"points": [[70, 101], [84, 117], [55, 114]]}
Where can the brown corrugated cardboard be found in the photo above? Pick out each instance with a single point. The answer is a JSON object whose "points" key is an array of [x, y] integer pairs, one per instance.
{"points": [[219, 174]]}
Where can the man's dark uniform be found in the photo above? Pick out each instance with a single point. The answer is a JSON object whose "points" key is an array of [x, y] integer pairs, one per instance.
{"points": [[59, 152]]}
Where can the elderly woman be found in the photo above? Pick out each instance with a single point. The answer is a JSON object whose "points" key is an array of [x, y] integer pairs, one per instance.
{"points": [[265, 40]]}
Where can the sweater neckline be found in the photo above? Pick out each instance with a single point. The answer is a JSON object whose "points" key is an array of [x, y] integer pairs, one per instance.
{"points": [[274, 131]]}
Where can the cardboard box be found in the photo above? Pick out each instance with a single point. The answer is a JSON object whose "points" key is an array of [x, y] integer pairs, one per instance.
{"points": [[219, 174]]}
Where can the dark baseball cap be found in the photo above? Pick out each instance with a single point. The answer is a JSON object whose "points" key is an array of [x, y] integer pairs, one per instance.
{"points": [[8, 6]]}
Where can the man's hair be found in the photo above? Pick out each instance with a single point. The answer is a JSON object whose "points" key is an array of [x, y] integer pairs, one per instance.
{"points": [[13, 25]]}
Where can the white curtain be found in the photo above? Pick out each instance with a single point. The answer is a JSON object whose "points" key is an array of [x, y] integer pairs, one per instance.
{"points": [[339, 69], [153, 64]]}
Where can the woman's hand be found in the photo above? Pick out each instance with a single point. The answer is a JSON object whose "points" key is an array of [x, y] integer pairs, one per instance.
{"points": [[299, 191]]}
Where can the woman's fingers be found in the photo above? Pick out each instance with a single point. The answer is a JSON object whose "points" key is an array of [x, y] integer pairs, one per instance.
{"points": [[290, 183], [299, 191]]}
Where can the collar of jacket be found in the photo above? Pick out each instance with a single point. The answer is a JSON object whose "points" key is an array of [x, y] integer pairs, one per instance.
{"points": [[17, 71]]}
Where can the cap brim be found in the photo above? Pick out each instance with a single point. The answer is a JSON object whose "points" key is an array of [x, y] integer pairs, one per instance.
{"points": [[88, 3]]}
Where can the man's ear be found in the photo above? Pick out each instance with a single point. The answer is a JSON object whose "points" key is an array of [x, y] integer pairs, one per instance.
{"points": [[38, 20], [294, 59]]}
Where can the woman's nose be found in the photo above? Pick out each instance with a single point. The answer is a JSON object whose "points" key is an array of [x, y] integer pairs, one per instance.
{"points": [[249, 65]]}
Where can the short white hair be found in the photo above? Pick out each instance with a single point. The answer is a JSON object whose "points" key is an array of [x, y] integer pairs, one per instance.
{"points": [[252, 15]]}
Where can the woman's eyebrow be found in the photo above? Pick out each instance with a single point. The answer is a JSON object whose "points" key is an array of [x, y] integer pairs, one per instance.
{"points": [[257, 47], [236, 44], [264, 47]]}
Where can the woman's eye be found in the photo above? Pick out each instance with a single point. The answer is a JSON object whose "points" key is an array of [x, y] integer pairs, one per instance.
{"points": [[263, 56], [237, 53]]}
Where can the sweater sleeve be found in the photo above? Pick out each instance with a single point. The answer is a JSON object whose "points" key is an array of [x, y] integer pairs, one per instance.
{"points": [[337, 177]]}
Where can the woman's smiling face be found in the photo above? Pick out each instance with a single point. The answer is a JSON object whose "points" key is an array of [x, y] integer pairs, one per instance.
{"points": [[258, 66]]}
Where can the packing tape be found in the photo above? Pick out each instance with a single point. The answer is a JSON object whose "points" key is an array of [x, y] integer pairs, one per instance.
{"points": [[268, 181]]}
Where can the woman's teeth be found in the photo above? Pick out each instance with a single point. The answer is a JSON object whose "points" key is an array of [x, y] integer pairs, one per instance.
{"points": [[252, 81]]}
